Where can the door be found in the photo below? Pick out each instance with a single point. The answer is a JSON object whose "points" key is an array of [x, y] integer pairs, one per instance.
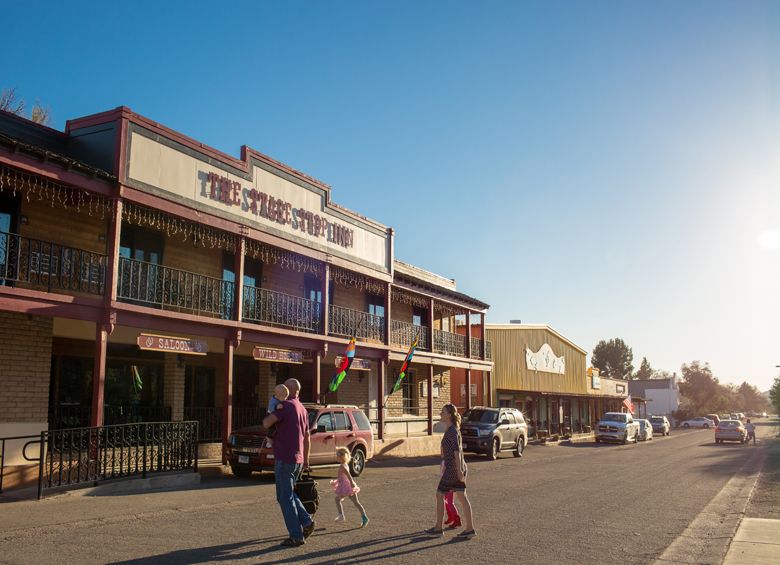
{"points": [[323, 440], [345, 435]]}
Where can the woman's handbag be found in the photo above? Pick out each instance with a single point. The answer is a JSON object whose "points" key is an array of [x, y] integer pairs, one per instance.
{"points": [[306, 490]]}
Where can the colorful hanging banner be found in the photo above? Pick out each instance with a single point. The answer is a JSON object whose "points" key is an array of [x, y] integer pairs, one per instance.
{"points": [[405, 366], [346, 362]]}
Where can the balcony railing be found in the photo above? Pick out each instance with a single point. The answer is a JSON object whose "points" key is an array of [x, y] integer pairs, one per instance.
{"points": [[346, 322], [403, 334], [489, 350], [50, 265], [476, 348], [156, 285], [449, 343], [279, 309]]}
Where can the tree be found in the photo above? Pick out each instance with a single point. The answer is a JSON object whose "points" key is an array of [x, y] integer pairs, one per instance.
{"points": [[774, 395], [645, 371], [661, 374], [613, 359], [702, 391], [10, 102]]}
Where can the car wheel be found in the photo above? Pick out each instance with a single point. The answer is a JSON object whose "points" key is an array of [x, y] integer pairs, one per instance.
{"points": [[636, 438], [518, 452], [358, 462], [706, 426], [493, 449], [598, 440], [242, 471], [686, 425], [625, 439]]}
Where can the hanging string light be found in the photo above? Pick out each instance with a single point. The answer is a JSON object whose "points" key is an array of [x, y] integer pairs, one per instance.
{"points": [[410, 299], [56, 194], [344, 277], [271, 255], [198, 234]]}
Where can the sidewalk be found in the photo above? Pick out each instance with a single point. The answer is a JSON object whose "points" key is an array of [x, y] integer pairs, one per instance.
{"points": [[757, 542]]}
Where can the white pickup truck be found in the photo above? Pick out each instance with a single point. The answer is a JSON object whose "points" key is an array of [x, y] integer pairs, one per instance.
{"points": [[617, 426]]}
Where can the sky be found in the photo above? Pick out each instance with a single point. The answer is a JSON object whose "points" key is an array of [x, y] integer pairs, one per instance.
{"points": [[611, 169]]}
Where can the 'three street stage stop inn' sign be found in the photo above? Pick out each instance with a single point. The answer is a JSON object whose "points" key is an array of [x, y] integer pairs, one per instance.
{"points": [[151, 342], [266, 197]]}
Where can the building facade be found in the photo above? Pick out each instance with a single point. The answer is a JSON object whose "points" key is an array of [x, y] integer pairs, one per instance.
{"points": [[145, 276], [662, 395]]}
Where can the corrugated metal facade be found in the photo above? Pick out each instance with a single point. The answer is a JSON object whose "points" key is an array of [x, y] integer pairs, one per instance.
{"points": [[511, 373]]}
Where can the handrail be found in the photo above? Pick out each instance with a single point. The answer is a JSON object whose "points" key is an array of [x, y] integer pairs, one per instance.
{"points": [[278, 308], [347, 322], [36, 438]]}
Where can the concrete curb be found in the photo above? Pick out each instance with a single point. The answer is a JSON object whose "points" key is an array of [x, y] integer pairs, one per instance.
{"points": [[167, 481]]}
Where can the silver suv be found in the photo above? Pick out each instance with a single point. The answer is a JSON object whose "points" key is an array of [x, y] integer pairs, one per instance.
{"points": [[492, 430]]}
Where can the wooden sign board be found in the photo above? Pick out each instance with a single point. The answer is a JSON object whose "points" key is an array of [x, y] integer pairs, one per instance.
{"points": [[277, 355], [172, 344], [357, 363]]}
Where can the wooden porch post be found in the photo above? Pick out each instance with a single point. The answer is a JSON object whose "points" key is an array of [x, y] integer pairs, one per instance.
{"points": [[482, 345], [430, 399], [316, 376], [227, 409], [238, 269], [431, 331], [325, 302], [489, 377], [468, 334], [380, 392], [468, 389], [99, 375], [388, 319]]}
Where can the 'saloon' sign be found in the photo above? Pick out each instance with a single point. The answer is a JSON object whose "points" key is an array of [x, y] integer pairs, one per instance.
{"points": [[186, 345]]}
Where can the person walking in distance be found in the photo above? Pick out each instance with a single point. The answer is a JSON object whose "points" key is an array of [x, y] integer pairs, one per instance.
{"points": [[751, 431], [453, 478], [291, 454]]}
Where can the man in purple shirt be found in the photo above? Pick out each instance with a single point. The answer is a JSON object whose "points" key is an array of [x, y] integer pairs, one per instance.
{"points": [[291, 455]]}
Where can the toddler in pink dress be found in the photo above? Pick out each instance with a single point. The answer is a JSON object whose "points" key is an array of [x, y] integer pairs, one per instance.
{"points": [[344, 487]]}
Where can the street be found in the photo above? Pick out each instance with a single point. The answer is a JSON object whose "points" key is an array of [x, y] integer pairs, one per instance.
{"points": [[585, 503]]}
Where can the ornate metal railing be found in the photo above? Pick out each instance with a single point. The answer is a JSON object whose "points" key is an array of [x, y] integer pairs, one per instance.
{"points": [[279, 309], [403, 334], [50, 265], [85, 456], [347, 322], [156, 285], [245, 417], [489, 350], [449, 343]]}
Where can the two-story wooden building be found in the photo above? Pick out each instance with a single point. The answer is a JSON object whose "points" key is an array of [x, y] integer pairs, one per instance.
{"points": [[147, 276]]}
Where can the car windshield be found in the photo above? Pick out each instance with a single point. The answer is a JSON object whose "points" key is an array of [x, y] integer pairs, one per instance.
{"points": [[614, 417], [657, 419], [481, 416], [312, 414]]}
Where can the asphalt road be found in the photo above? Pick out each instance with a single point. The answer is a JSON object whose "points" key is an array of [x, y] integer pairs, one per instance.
{"points": [[586, 503]]}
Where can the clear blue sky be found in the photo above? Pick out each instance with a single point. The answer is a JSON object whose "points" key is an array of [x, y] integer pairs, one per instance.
{"points": [[608, 168]]}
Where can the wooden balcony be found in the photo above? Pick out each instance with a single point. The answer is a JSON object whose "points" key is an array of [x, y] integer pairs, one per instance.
{"points": [[54, 267], [158, 286], [403, 334], [278, 309], [346, 322]]}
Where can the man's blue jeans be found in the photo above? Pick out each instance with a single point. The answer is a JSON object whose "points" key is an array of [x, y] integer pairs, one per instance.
{"points": [[295, 515]]}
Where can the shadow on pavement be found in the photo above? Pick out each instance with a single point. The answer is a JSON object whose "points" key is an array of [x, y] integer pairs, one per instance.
{"points": [[380, 548]]}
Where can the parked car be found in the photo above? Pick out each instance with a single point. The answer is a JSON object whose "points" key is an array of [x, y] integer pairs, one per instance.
{"points": [[735, 416], [700, 422], [661, 425], [331, 426], [645, 430], [492, 430], [714, 417], [617, 426], [730, 430]]}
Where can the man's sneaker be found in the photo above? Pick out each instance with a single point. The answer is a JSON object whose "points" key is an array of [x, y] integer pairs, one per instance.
{"points": [[435, 532], [467, 534], [340, 518], [290, 542], [307, 530], [364, 521]]}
